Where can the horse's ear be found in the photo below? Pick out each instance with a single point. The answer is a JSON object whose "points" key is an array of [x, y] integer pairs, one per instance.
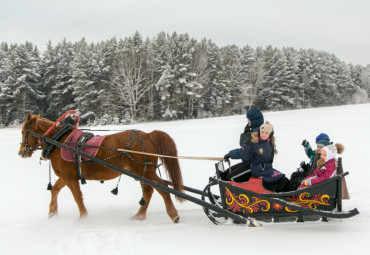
{"points": [[28, 117]]}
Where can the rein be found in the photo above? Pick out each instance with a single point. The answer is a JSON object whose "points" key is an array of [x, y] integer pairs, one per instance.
{"points": [[144, 153], [167, 156], [153, 154]]}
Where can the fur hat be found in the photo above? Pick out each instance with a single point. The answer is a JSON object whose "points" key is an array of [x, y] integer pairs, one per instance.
{"points": [[267, 127]]}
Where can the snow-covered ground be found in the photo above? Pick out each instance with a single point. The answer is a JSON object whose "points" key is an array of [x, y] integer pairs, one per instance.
{"points": [[26, 229]]}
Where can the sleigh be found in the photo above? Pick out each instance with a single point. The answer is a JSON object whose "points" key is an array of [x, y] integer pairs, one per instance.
{"points": [[252, 200]]}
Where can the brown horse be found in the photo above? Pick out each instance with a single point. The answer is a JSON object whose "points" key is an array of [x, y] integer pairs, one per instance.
{"points": [[156, 142]]}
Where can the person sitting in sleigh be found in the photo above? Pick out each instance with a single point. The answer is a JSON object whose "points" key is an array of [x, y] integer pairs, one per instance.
{"points": [[326, 166], [260, 153]]}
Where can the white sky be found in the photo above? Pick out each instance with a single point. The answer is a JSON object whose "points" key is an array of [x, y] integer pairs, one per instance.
{"points": [[336, 26]]}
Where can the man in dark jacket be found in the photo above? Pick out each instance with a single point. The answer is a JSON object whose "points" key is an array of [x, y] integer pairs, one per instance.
{"points": [[241, 172]]}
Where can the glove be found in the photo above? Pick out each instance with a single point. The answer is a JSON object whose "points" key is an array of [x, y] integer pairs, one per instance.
{"points": [[247, 128], [306, 183], [305, 143], [227, 156], [304, 166]]}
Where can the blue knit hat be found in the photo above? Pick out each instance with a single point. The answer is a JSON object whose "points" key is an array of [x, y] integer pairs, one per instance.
{"points": [[256, 118], [322, 136]]}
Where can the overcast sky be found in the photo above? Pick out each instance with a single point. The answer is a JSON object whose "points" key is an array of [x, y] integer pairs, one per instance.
{"points": [[341, 27]]}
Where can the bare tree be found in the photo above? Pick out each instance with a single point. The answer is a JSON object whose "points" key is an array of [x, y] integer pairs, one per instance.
{"points": [[130, 79]]}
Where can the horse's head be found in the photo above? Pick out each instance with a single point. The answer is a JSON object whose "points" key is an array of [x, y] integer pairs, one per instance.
{"points": [[29, 143]]}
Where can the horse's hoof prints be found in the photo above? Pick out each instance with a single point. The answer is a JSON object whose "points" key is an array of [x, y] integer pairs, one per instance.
{"points": [[52, 215]]}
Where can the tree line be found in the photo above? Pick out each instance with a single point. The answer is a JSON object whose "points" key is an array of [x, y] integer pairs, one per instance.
{"points": [[169, 77]]}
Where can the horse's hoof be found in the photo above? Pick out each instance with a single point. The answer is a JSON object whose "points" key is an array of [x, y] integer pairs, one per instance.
{"points": [[83, 216], [138, 217], [176, 219]]}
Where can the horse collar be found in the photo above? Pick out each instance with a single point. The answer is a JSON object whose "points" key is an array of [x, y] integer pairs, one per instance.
{"points": [[45, 154]]}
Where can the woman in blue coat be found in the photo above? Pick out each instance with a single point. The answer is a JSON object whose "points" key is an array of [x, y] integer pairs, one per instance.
{"points": [[260, 155]]}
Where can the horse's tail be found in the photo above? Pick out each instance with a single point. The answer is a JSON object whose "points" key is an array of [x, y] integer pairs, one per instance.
{"points": [[166, 146]]}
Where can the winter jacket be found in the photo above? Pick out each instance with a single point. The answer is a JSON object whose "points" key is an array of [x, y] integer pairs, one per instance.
{"points": [[260, 155], [323, 173]]}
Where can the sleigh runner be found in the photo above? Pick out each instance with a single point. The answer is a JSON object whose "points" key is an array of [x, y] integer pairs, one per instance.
{"points": [[240, 202]]}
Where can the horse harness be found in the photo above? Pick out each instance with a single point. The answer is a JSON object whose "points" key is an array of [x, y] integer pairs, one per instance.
{"points": [[45, 154]]}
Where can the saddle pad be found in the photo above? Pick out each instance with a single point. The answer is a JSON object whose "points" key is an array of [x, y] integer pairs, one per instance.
{"points": [[72, 140]]}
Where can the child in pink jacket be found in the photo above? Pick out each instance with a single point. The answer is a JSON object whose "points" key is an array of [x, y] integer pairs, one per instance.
{"points": [[326, 166]]}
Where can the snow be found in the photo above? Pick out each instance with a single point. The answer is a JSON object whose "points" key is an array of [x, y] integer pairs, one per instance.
{"points": [[26, 229]]}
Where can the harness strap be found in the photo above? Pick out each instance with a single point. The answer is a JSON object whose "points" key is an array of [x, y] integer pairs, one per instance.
{"points": [[80, 144]]}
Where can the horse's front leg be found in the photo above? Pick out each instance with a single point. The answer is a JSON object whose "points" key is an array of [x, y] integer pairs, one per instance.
{"points": [[53, 207], [74, 186], [148, 192]]}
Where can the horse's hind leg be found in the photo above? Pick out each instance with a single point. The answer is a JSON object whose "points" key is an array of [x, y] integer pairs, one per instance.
{"points": [[171, 210], [53, 207], [147, 193], [74, 186]]}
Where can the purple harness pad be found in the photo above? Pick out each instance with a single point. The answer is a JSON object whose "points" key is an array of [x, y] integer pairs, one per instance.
{"points": [[72, 141]]}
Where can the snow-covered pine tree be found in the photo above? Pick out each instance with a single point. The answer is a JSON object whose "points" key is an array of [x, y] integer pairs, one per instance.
{"points": [[4, 73], [189, 84], [293, 90], [198, 75], [106, 98], [83, 85], [48, 81], [86, 77], [162, 67], [250, 75], [344, 84], [178, 86], [311, 72], [60, 98], [20, 83], [232, 68], [365, 79], [264, 92]]}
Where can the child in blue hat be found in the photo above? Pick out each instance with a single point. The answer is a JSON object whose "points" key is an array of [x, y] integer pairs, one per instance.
{"points": [[306, 169]]}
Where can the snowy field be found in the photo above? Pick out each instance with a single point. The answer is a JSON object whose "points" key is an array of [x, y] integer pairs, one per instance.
{"points": [[26, 229]]}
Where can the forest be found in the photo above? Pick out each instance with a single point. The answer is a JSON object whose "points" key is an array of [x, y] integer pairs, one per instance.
{"points": [[169, 77]]}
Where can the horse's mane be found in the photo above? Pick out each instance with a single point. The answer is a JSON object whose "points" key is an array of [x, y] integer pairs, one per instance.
{"points": [[43, 124]]}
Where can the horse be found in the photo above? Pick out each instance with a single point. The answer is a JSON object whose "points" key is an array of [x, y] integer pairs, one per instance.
{"points": [[155, 142]]}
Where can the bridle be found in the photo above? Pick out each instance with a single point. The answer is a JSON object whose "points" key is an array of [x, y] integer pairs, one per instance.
{"points": [[48, 132], [25, 141]]}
